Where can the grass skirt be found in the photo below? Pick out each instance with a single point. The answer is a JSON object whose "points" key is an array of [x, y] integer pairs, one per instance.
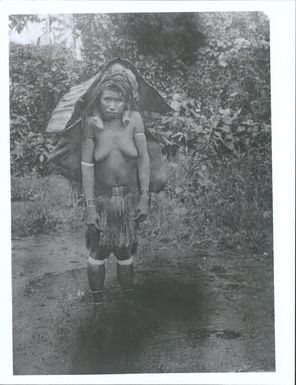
{"points": [[118, 230]]}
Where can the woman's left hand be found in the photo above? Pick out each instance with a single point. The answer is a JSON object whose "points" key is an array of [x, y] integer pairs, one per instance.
{"points": [[141, 211]]}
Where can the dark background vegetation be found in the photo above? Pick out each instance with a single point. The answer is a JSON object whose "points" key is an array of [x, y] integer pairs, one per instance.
{"points": [[214, 68]]}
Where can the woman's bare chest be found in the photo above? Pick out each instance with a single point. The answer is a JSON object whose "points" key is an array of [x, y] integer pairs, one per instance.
{"points": [[115, 139]]}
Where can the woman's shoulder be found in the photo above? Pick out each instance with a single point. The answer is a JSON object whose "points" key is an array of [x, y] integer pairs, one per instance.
{"points": [[135, 114], [136, 120]]}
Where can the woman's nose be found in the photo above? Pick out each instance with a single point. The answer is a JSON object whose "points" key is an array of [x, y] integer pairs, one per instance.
{"points": [[112, 105]]}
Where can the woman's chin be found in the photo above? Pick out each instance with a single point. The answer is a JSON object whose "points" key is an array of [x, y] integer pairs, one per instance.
{"points": [[111, 116]]}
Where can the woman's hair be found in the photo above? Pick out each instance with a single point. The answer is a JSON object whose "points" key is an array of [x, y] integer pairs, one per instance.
{"points": [[122, 81], [127, 96]]}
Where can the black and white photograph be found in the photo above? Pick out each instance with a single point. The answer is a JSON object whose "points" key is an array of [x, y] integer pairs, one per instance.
{"points": [[142, 182]]}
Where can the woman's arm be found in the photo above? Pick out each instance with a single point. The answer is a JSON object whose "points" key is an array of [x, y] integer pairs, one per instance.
{"points": [[87, 169], [143, 156], [143, 169]]}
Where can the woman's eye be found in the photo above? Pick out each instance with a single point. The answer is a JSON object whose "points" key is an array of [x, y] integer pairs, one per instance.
{"points": [[113, 100]]}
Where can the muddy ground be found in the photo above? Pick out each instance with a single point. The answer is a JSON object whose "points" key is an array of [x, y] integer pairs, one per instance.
{"points": [[194, 311]]}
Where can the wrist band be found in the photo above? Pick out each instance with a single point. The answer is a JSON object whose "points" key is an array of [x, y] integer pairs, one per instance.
{"points": [[88, 204], [145, 192], [86, 164]]}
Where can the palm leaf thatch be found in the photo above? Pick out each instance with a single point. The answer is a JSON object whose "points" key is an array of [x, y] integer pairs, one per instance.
{"points": [[71, 107]]}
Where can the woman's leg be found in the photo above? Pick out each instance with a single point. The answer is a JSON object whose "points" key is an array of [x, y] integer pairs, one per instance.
{"points": [[125, 268], [95, 265]]}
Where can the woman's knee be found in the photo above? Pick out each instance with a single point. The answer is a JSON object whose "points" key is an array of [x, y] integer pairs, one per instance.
{"points": [[122, 253], [97, 254]]}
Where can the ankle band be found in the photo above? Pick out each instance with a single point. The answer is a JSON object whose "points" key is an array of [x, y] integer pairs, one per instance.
{"points": [[126, 291], [96, 291], [98, 303]]}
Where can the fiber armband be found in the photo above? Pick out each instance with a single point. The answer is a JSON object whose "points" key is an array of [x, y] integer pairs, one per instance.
{"points": [[86, 164]]}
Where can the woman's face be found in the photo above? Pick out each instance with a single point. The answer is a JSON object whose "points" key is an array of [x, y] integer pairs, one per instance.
{"points": [[112, 104]]}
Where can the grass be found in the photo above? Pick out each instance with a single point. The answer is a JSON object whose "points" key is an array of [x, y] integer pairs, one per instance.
{"points": [[43, 205], [227, 207]]}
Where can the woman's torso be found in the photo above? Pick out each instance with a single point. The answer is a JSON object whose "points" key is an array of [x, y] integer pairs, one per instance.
{"points": [[116, 156]]}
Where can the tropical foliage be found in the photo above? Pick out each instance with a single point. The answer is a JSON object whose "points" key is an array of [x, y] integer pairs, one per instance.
{"points": [[39, 77], [214, 68]]}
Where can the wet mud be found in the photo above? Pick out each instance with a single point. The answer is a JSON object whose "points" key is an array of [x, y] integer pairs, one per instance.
{"points": [[193, 311]]}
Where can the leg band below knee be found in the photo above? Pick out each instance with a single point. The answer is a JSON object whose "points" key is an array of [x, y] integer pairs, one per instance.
{"points": [[93, 261], [125, 262]]}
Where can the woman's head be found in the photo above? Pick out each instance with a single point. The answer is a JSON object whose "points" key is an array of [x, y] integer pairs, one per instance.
{"points": [[122, 79], [112, 103], [117, 93]]}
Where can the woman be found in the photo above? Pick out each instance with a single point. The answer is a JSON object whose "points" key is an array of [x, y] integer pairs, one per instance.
{"points": [[115, 179]]}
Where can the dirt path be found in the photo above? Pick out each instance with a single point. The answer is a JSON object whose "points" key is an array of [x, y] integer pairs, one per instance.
{"points": [[193, 312]]}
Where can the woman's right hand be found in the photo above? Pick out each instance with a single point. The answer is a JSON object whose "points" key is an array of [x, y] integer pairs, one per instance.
{"points": [[92, 217]]}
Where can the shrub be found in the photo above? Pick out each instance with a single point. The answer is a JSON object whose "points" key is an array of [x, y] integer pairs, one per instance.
{"points": [[227, 205], [172, 34], [39, 77], [218, 142], [31, 218]]}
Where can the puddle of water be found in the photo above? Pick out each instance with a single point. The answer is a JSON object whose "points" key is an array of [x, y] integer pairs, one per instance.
{"points": [[229, 334], [218, 269], [71, 284], [234, 286], [199, 334], [202, 334]]}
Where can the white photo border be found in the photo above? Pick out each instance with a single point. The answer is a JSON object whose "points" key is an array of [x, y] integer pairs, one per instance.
{"points": [[282, 23]]}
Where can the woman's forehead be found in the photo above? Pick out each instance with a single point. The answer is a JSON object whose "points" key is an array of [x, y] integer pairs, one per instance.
{"points": [[111, 93]]}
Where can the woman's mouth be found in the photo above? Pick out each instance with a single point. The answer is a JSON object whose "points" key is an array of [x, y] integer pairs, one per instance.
{"points": [[111, 115]]}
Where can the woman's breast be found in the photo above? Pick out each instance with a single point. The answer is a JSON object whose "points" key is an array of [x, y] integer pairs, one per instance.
{"points": [[127, 148], [114, 144], [116, 170]]}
